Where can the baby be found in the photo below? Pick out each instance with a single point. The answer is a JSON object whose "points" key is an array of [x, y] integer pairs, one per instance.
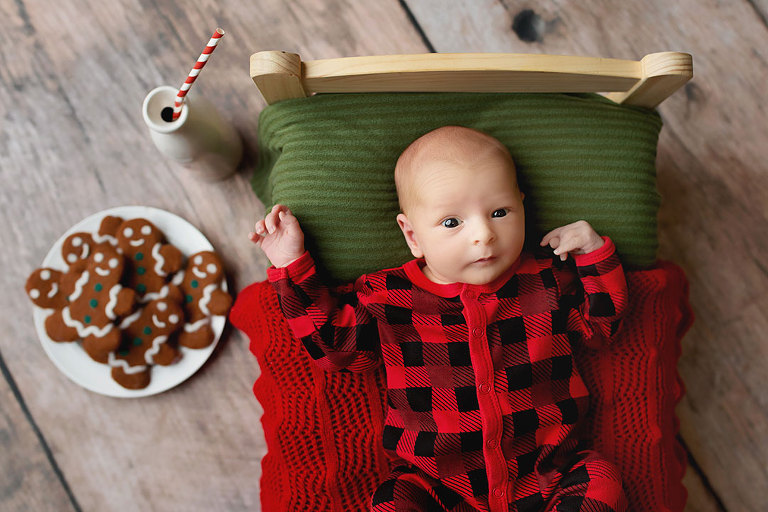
{"points": [[485, 404]]}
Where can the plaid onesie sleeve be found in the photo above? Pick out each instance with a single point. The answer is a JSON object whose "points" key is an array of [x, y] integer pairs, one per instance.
{"points": [[601, 300], [333, 324]]}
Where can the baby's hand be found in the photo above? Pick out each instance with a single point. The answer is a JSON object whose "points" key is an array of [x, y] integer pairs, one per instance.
{"points": [[279, 236], [576, 238]]}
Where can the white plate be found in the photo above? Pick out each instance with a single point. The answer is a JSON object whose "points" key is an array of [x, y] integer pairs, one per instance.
{"points": [[72, 360]]}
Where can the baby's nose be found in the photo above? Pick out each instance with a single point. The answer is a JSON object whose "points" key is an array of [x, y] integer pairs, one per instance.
{"points": [[484, 235]]}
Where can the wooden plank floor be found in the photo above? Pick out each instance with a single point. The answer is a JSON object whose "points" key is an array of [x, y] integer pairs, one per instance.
{"points": [[72, 78]]}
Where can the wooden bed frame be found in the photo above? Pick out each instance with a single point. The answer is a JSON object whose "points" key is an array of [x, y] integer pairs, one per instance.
{"points": [[647, 82], [280, 76]]}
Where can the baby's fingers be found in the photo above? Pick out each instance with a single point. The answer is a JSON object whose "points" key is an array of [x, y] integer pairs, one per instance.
{"points": [[552, 238], [272, 220], [287, 218], [553, 242], [569, 243], [257, 235]]}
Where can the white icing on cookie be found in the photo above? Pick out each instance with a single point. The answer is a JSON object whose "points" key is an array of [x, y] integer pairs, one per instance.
{"points": [[82, 330], [197, 325], [149, 355], [198, 273], [34, 293], [178, 278], [163, 293], [112, 304], [99, 239], [159, 260], [127, 321], [206, 298], [121, 363], [79, 286], [158, 323], [54, 290]]}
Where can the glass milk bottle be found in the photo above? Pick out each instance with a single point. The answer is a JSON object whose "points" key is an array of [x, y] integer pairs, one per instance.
{"points": [[200, 139]]}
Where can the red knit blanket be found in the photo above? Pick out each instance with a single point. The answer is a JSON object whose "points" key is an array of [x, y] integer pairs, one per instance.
{"points": [[323, 430]]}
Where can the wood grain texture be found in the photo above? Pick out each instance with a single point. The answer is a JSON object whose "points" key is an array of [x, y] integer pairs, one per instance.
{"points": [[280, 75], [700, 498], [30, 479], [713, 178], [71, 87]]}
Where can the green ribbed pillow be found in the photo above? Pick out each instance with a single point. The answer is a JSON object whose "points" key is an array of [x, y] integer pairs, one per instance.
{"points": [[331, 157]]}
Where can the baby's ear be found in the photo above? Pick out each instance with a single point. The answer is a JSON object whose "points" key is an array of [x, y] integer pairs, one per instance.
{"points": [[410, 235]]}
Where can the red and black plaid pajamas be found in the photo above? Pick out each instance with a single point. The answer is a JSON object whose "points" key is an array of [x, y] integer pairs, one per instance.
{"points": [[484, 399]]}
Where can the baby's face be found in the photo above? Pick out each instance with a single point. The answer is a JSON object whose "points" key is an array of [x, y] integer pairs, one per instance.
{"points": [[465, 219]]}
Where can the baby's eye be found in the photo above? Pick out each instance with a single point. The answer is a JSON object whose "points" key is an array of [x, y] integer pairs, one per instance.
{"points": [[501, 212], [451, 223]]}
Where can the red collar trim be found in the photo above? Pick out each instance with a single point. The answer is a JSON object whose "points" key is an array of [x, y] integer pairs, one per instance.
{"points": [[413, 269]]}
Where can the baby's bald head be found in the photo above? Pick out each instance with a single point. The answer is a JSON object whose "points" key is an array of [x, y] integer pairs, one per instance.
{"points": [[455, 144]]}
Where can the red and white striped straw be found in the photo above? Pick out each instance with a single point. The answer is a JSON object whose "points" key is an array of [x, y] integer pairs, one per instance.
{"points": [[195, 71]]}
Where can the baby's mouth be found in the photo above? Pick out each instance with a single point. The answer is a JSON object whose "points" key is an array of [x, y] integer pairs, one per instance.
{"points": [[487, 259]]}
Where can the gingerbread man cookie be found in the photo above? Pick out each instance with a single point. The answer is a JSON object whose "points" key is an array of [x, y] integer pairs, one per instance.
{"points": [[78, 247], [44, 287], [203, 296], [96, 302], [150, 260], [144, 343]]}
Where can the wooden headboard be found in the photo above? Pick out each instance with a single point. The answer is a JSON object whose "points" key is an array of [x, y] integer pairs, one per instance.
{"points": [[647, 82]]}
